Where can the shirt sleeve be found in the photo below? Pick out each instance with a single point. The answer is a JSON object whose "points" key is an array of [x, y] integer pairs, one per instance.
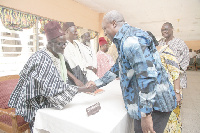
{"points": [[107, 78], [63, 98], [184, 56], [141, 60]]}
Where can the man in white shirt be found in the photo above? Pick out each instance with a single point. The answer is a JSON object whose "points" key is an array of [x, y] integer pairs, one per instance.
{"points": [[72, 52], [192, 54], [79, 56], [89, 55]]}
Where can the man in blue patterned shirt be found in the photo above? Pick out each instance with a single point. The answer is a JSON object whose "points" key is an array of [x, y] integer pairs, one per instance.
{"points": [[148, 95]]}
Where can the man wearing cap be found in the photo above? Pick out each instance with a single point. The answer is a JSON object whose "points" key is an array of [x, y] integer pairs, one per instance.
{"points": [[73, 53], [104, 60], [43, 81]]}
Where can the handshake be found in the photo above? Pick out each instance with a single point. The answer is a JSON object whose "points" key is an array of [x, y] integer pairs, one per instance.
{"points": [[88, 87]]}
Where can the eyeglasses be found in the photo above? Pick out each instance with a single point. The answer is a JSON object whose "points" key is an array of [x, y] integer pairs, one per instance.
{"points": [[61, 43]]}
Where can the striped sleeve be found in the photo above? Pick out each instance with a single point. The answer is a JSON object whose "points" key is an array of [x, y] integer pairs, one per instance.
{"points": [[60, 100]]}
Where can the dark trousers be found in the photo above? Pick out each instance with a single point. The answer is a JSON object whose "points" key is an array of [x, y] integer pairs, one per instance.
{"points": [[160, 120]]}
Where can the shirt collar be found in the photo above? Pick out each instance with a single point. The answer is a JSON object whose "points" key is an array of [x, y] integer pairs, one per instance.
{"points": [[119, 35]]}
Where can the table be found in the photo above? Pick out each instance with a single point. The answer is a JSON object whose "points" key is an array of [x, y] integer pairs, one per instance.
{"points": [[112, 118]]}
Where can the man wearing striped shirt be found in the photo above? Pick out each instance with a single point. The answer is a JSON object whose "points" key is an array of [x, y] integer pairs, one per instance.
{"points": [[43, 81]]}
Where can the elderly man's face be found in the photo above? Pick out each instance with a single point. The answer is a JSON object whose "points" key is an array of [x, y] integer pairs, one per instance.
{"points": [[86, 37], [59, 45], [105, 47], [109, 29], [166, 31], [73, 34]]}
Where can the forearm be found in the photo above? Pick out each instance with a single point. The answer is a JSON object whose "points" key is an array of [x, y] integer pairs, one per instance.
{"points": [[177, 83], [63, 98], [92, 68], [107, 78], [71, 76]]}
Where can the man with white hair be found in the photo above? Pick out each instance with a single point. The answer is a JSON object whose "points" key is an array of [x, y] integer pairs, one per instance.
{"points": [[88, 55], [43, 81], [147, 92]]}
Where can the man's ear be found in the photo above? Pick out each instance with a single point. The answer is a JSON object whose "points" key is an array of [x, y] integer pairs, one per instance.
{"points": [[114, 23]]}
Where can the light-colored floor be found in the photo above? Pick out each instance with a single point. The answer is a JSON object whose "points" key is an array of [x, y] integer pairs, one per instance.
{"points": [[190, 111]]}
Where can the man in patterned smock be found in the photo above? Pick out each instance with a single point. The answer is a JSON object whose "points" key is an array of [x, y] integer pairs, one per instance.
{"points": [[147, 92], [170, 64], [179, 48], [43, 80]]}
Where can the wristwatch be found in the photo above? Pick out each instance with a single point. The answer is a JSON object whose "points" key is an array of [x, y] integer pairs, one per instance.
{"points": [[177, 91], [144, 114]]}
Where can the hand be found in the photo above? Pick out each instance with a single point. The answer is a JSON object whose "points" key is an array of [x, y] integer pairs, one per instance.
{"points": [[178, 99], [90, 83], [118, 78], [147, 124], [92, 68], [78, 83], [89, 67], [87, 89]]}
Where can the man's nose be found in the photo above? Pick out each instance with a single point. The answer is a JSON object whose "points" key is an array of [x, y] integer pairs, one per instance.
{"points": [[64, 45]]}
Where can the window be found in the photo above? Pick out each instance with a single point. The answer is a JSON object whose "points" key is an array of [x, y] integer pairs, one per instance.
{"points": [[21, 35]]}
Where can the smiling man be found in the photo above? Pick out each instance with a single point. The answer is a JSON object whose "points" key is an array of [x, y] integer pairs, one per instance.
{"points": [[179, 48], [43, 81]]}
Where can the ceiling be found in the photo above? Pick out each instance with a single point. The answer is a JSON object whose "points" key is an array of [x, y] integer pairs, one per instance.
{"points": [[151, 14]]}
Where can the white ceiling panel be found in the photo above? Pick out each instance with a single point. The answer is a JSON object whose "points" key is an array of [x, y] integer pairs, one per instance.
{"points": [[151, 14]]}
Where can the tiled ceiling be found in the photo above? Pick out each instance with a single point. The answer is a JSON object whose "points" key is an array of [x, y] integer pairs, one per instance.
{"points": [[151, 14]]}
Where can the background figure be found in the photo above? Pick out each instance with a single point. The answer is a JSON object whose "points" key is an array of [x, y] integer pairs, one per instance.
{"points": [[179, 48], [192, 54], [72, 53], [43, 81], [144, 82], [104, 61], [198, 53], [88, 55], [170, 64], [112, 51]]}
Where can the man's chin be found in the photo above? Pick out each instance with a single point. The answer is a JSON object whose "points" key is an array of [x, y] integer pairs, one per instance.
{"points": [[165, 36], [60, 52]]}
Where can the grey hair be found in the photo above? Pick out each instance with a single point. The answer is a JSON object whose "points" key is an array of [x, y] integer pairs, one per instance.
{"points": [[113, 16], [168, 23]]}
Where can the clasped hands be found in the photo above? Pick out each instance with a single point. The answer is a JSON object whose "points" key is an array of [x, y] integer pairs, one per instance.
{"points": [[88, 87]]}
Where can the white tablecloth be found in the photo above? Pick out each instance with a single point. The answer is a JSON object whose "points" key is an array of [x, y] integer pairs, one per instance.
{"points": [[112, 118]]}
